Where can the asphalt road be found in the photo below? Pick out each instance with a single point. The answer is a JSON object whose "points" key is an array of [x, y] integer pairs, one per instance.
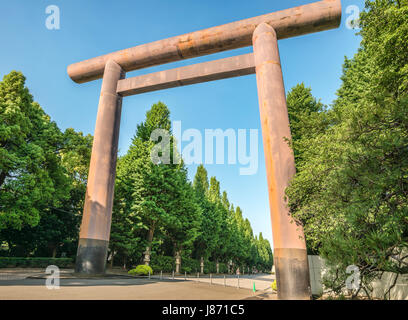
{"points": [[17, 285]]}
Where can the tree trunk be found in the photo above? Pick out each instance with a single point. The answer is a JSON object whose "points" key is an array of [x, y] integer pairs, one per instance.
{"points": [[3, 176], [150, 235], [53, 248], [149, 245]]}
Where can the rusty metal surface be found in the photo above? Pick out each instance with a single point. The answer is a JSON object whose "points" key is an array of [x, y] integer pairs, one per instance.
{"points": [[279, 158], [96, 220], [314, 17], [196, 73]]}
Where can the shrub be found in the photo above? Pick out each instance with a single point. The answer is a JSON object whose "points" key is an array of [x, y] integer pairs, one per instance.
{"points": [[141, 270], [274, 286], [12, 262]]}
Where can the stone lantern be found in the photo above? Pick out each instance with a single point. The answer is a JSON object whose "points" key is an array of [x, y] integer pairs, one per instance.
{"points": [[178, 261], [146, 258]]}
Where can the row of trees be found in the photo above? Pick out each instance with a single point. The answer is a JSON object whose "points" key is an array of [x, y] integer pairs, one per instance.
{"points": [[351, 186], [43, 174], [158, 211]]}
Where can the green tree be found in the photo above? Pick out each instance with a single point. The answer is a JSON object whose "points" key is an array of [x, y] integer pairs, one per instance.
{"points": [[351, 189], [126, 239], [244, 236], [156, 197], [58, 227], [219, 220], [75, 157], [57, 170], [31, 177], [265, 256], [201, 184], [206, 243], [186, 227], [307, 117]]}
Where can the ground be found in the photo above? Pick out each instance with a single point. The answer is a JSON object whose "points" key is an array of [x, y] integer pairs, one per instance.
{"points": [[27, 284]]}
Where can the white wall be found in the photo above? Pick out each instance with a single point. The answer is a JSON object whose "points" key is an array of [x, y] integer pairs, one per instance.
{"points": [[315, 269], [399, 292]]}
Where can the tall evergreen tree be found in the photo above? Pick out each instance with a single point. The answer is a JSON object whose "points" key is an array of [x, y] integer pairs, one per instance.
{"points": [[155, 197], [207, 241], [31, 177], [307, 117], [351, 190], [42, 175]]}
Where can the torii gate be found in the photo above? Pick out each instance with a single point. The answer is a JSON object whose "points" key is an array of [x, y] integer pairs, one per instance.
{"points": [[262, 32]]}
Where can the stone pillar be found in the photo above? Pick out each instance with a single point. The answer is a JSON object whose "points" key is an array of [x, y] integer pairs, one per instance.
{"points": [[146, 259], [178, 262], [290, 257], [97, 214], [202, 265]]}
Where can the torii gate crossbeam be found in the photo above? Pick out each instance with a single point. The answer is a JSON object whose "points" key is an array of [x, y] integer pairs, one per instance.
{"points": [[262, 32]]}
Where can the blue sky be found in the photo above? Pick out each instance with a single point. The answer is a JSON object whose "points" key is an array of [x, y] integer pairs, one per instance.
{"points": [[93, 27]]}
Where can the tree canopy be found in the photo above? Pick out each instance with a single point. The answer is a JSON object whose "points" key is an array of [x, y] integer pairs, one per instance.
{"points": [[350, 190], [43, 174]]}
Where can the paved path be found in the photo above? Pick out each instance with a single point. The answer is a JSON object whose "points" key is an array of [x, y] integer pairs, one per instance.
{"points": [[14, 284], [262, 281]]}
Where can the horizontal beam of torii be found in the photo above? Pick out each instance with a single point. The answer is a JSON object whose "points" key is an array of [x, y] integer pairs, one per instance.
{"points": [[262, 32], [314, 17], [196, 73]]}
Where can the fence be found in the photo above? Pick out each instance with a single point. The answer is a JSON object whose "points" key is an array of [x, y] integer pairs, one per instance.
{"points": [[254, 282]]}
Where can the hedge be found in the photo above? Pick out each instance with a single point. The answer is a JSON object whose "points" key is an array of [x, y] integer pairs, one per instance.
{"points": [[12, 262], [223, 267], [211, 267], [190, 265], [162, 263]]}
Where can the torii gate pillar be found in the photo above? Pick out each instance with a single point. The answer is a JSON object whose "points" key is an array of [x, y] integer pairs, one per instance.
{"points": [[96, 220], [290, 256]]}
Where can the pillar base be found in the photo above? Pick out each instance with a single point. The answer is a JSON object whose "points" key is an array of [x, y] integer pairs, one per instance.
{"points": [[292, 274], [91, 256]]}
